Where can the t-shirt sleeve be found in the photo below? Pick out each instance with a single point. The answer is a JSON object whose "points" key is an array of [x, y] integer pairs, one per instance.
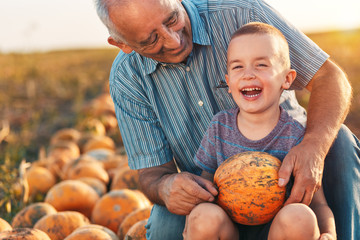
{"points": [[144, 139], [206, 156], [306, 57]]}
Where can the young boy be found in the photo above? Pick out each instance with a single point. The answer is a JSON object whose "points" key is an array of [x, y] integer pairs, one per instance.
{"points": [[258, 71]]}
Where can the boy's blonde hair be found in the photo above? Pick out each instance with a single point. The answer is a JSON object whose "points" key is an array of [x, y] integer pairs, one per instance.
{"points": [[263, 28]]}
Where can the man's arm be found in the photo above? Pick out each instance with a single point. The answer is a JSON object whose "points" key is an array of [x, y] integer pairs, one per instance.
{"points": [[179, 192], [328, 106]]}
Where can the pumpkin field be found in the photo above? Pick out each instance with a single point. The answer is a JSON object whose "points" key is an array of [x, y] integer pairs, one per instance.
{"points": [[62, 161]]}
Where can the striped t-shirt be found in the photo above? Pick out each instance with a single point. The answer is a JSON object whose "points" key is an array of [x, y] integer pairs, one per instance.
{"points": [[223, 139], [163, 109]]}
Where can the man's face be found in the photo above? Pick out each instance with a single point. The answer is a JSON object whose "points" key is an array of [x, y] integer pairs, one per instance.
{"points": [[157, 29]]}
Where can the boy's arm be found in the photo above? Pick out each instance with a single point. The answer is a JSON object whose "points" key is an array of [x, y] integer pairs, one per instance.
{"points": [[323, 213]]}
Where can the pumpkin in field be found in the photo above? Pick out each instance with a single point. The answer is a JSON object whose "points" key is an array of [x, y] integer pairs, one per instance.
{"points": [[248, 187], [88, 170], [98, 185], [99, 227], [125, 178], [112, 161], [29, 215], [70, 165], [137, 231], [4, 225], [59, 225], [24, 234], [111, 209], [99, 142], [65, 134], [131, 219], [40, 180], [88, 234], [72, 195]]}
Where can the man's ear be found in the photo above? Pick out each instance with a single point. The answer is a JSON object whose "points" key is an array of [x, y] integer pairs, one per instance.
{"points": [[125, 48], [227, 82], [289, 79]]}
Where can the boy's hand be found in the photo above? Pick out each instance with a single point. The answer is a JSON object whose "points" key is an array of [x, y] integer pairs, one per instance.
{"points": [[327, 236]]}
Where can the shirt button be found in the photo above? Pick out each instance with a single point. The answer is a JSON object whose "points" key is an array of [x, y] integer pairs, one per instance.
{"points": [[187, 69], [201, 103]]}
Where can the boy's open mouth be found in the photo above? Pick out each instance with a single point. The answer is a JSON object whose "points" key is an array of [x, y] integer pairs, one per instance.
{"points": [[251, 92]]}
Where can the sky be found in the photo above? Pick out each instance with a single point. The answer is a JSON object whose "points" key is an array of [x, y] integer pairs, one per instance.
{"points": [[44, 25]]}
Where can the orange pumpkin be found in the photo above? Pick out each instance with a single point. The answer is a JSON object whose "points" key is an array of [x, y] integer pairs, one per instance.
{"points": [[102, 228], [98, 185], [248, 187], [109, 121], [91, 127], [29, 215], [125, 178], [111, 209], [67, 168], [59, 225], [4, 225], [88, 234], [24, 234], [99, 142], [137, 231], [72, 195], [65, 134], [115, 161], [61, 153], [40, 180], [66, 149], [131, 219], [88, 170]]}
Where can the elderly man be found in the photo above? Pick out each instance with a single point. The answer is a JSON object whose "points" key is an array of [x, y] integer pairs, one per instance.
{"points": [[168, 81]]}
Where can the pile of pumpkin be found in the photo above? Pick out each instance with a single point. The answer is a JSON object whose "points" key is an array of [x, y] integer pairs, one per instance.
{"points": [[81, 187]]}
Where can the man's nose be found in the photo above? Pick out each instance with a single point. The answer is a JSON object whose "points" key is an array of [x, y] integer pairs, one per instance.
{"points": [[172, 39]]}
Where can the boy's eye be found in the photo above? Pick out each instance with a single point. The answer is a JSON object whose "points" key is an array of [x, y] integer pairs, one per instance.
{"points": [[237, 67], [262, 65]]}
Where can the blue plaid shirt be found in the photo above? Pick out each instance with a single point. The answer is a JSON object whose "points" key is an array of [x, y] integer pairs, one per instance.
{"points": [[163, 109]]}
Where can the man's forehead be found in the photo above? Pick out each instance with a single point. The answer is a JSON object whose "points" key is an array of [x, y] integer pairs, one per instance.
{"points": [[141, 17]]}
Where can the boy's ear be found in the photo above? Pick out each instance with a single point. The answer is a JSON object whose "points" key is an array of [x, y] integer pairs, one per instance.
{"points": [[289, 79], [227, 82], [125, 48]]}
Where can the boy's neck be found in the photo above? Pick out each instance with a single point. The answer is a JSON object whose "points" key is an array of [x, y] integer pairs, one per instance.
{"points": [[259, 125]]}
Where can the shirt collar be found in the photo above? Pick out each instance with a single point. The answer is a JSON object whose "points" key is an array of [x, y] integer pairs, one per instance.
{"points": [[199, 34]]}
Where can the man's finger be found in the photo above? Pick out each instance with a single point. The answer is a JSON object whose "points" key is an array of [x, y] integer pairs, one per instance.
{"points": [[308, 197], [285, 171], [297, 194], [206, 184], [195, 190]]}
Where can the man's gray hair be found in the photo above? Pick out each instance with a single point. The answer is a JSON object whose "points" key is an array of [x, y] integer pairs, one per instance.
{"points": [[102, 9]]}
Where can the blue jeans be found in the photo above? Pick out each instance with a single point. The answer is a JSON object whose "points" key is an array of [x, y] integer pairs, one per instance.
{"points": [[341, 182]]}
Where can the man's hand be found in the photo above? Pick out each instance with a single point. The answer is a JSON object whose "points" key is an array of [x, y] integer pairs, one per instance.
{"points": [[328, 105], [306, 164], [179, 192]]}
